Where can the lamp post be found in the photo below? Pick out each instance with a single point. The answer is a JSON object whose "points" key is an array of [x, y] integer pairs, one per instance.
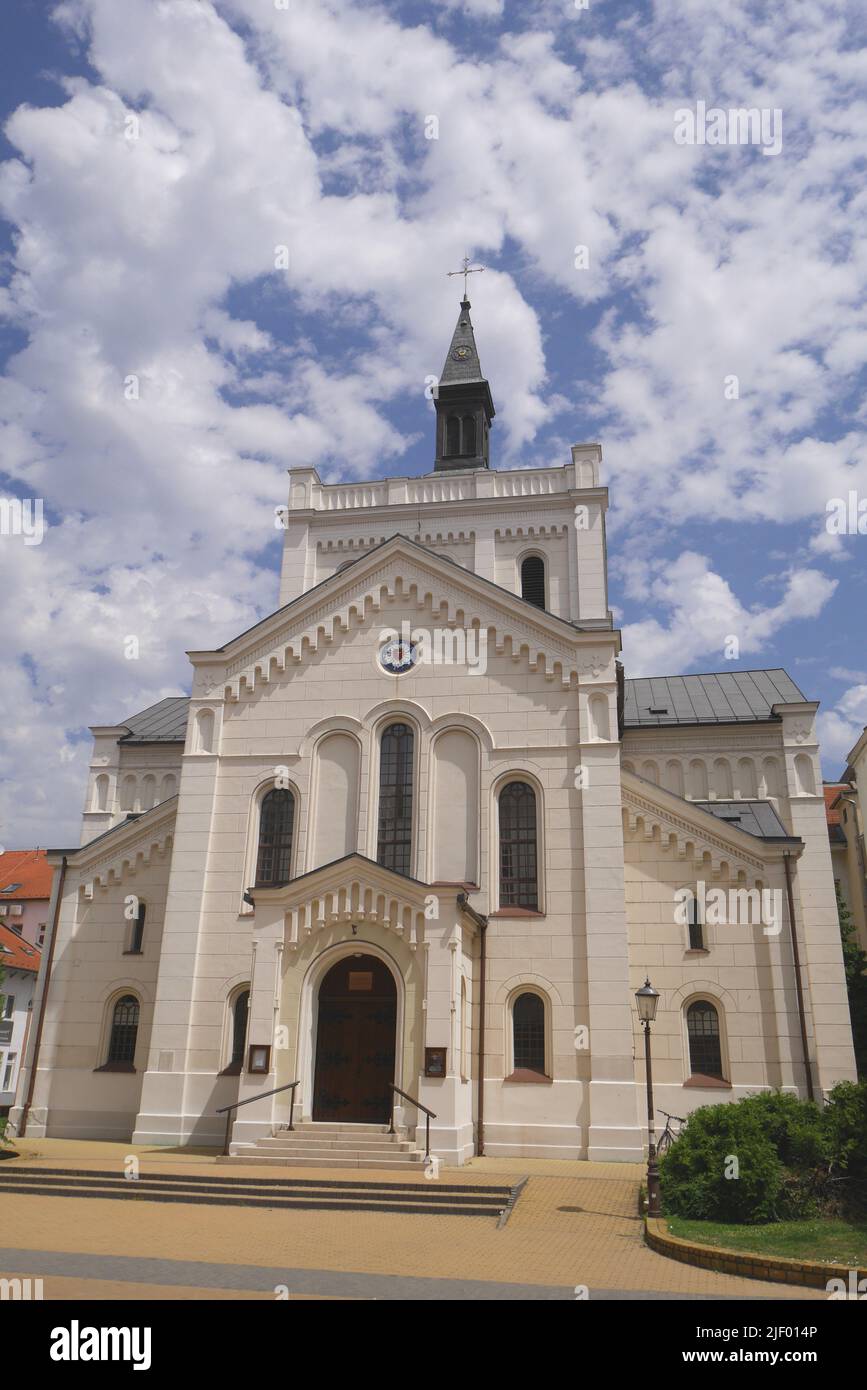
{"points": [[647, 999]]}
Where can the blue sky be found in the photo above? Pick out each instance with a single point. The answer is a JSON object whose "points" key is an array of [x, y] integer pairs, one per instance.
{"points": [[155, 156]]}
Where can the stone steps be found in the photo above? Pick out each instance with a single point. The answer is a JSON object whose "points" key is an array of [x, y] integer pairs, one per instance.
{"points": [[312, 1144], [308, 1194]]}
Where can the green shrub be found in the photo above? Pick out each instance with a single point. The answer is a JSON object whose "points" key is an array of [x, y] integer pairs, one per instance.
{"points": [[766, 1157]]}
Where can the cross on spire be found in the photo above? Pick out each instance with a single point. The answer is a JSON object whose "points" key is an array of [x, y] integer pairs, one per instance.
{"points": [[466, 272]]}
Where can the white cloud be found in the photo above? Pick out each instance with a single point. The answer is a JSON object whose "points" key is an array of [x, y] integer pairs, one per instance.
{"points": [[309, 132], [704, 614]]}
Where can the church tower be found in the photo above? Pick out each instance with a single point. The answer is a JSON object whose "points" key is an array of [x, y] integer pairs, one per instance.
{"points": [[464, 405]]}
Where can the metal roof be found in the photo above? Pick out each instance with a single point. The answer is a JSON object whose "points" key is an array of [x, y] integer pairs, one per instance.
{"points": [[755, 817], [164, 722], [719, 697]]}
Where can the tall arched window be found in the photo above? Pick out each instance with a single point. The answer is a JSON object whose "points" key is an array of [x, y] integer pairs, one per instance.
{"points": [[533, 580], [240, 1009], [276, 826], [394, 839], [705, 1049], [528, 1033], [453, 434], [518, 852], [468, 440], [124, 1031]]}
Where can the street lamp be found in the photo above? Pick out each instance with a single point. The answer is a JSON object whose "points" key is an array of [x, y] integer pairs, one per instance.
{"points": [[647, 999]]}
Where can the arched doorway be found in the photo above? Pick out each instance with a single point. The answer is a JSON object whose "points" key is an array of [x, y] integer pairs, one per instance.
{"points": [[355, 1042]]}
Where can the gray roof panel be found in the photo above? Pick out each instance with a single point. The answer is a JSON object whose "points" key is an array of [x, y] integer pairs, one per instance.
{"points": [[755, 817], [716, 697], [164, 722]]}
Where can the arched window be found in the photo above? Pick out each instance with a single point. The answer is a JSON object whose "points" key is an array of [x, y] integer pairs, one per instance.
{"points": [[528, 1033], [394, 839], [468, 439], [276, 824], [240, 1010], [136, 937], [124, 1031], [694, 924], [533, 580], [518, 853], [705, 1049], [100, 793], [453, 434]]}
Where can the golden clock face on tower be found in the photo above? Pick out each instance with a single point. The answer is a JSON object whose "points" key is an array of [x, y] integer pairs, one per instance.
{"points": [[461, 354]]}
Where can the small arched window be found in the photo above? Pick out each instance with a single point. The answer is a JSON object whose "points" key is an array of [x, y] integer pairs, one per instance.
{"points": [[240, 1010], [705, 1048], [394, 835], [100, 793], [468, 435], [518, 849], [528, 1033], [694, 923], [124, 1031], [533, 580], [276, 827], [453, 435], [136, 937]]}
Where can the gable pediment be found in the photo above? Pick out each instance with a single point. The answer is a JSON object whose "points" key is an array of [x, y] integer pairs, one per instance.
{"points": [[353, 890], [431, 587]]}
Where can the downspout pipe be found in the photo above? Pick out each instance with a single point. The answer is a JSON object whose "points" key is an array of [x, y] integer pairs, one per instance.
{"points": [[802, 1017], [482, 924], [42, 1002]]}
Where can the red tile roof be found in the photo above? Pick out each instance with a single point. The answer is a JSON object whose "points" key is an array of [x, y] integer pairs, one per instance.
{"points": [[28, 869], [15, 952]]}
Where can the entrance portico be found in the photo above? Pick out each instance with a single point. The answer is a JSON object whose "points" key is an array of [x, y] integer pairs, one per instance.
{"points": [[356, 971]]}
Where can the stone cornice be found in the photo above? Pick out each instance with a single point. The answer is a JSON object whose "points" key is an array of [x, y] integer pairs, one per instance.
{"points": [[683, 827]]}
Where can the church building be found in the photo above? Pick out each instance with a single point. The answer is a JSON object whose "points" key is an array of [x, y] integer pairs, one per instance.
{"points": [[409, 848]]}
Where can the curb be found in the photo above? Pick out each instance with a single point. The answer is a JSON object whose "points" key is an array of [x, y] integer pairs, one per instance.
{"points": [[775, 1269]]}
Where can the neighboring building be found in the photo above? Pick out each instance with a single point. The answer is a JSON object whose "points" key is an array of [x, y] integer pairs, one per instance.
{"points": [[422, 781], [25, 890], [20, 965], [845, 812]]}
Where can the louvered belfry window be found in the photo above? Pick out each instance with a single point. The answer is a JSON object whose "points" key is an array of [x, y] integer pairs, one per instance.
{"points": [[518, 853], [394, 842], [533, 580], [276, 826]]}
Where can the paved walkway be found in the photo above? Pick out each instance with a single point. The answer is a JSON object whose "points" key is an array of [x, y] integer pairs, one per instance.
{"points": [[575, 1226]]}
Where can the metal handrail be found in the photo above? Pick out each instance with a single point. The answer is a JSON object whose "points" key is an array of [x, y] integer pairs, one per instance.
{"points": [[227, 1109], [428, 1114]]}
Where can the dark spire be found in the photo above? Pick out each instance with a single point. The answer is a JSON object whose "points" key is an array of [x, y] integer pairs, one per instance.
{"points": [[464, 404]]}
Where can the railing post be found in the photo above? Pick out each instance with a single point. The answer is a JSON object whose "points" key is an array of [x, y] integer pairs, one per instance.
{"points": [[391, 1113], [228, 1130], [427, 1138], [292, 1108]]}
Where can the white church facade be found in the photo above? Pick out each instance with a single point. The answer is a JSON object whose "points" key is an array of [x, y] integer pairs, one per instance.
{"points": [[415, 829]]}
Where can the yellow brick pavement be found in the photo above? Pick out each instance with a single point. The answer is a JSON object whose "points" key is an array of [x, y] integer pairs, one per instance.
{"points": [[575, 1224]]}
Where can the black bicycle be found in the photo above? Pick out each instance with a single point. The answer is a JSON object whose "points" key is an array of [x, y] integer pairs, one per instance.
{"points": [[668, 1135]]}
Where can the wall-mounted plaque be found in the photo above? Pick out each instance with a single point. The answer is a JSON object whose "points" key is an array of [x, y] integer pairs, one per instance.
{"points": [[435, 1061], [361, 980], [259, 1057]]}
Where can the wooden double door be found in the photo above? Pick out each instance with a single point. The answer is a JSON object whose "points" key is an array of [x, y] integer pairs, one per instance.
{"points": [[355, 1042]]}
